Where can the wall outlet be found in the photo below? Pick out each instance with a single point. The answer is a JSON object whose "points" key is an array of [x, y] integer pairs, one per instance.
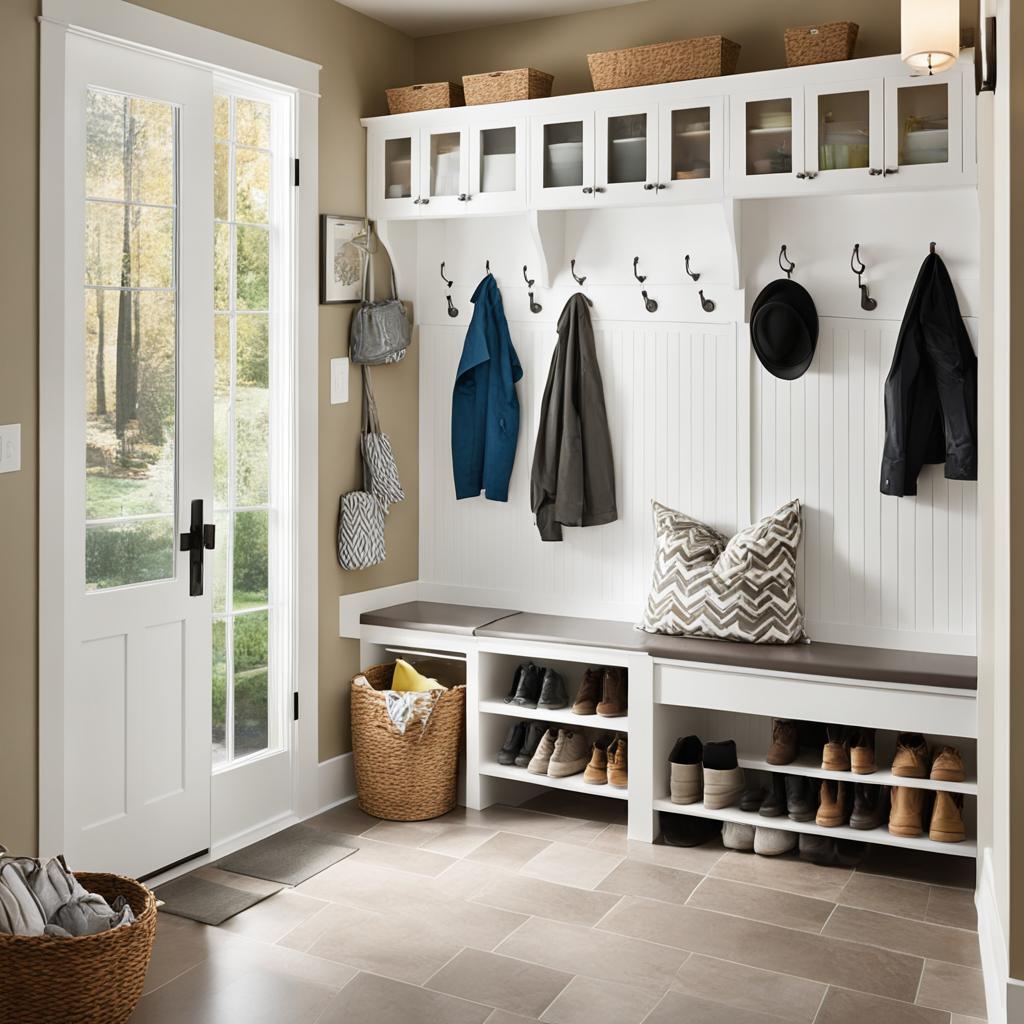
{"points": [[339, 381], [10, 447]]}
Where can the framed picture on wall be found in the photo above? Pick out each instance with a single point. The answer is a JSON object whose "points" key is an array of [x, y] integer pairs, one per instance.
{"points": [[342, 258]]}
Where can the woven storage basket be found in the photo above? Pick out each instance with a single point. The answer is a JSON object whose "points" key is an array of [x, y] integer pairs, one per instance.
{"points": [[704, 57], [90, 979], [819, 44], [410, 776], [502, 86], [425, 97]]}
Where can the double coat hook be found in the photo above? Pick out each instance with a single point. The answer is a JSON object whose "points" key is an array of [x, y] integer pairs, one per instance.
{"points": [[649, 304], [576, 277], [695, 276], [452, 311], [788, 270], [857, 266], [535, 307]]}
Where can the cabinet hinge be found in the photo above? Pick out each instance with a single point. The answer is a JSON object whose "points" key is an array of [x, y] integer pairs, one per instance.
{"points": [[296, 182], [295, 706]]}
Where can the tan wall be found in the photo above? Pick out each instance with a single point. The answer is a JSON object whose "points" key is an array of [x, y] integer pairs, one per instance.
{"points": [[560, 45], [360, 58]]}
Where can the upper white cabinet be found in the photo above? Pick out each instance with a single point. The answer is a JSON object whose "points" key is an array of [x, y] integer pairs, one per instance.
{"points": [[862, 125]]}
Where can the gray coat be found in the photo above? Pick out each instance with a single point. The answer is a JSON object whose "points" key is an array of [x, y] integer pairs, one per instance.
{"points": [[573, 478]]}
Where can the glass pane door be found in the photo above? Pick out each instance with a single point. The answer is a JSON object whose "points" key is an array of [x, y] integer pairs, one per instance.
{"points": [[497, 168], [398, 168], [922, 119], [445, 164], [626, 150], [563, 155], [498, 160], [690, 144], [131, 339], [769, 136], [844, 131]]}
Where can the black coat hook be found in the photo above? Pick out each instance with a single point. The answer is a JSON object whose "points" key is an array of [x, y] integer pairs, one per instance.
{"points": [[528, 280], [535, 307], [706, 304], [487, 266], [931, 248], [649, 304], [640, 277], [452, 311], [783, 255], [857, 266], [576, 277], [443, 278], [696, 277]]}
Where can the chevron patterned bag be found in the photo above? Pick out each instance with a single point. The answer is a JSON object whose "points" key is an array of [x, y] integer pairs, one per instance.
{"points": [[381, 470], [739, 588]]}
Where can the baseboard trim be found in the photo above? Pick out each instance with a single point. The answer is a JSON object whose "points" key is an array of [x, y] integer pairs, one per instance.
{"points": [[994, 961], [336, 782]]}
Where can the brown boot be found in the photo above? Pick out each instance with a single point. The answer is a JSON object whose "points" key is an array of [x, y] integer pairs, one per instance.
{"points": [[589, 694], [907, 812], [948, 818], [862, 752], [784, 742], [618, 771], [911, 760], [836, 755], [597, 771], [613, 697], [834, 804], [948, 766]]}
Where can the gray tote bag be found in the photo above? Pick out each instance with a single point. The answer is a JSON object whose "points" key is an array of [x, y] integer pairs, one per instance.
{"points": [[381, 470], [380, 331]]}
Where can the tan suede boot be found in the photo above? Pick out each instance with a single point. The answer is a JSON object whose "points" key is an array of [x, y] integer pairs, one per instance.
{"points": [[834, 805], [947, 818], [911, 759], [785, 744], [618, 771], [613, 696], [862, 752], [948, 765], [907, 811], [835, 757], [596, 772]]}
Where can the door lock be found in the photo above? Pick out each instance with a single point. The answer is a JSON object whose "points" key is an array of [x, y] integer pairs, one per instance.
{"points": [[200, 537]]}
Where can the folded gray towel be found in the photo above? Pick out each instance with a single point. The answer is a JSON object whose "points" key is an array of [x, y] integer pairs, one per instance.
{"points": [[20, 911]]}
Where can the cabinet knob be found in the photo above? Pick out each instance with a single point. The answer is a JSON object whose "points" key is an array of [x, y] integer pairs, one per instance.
{"points": [[464, 197], [424, 201], [587, 191], [811, 175], [801, 174], [891, 170], [417, 201], [600, 188], [661, 186], [649, 187], [874, 171]]}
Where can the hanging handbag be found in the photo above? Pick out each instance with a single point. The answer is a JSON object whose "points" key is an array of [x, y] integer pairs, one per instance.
{"points": [[380, 331], [381, 470], [360, 527]]}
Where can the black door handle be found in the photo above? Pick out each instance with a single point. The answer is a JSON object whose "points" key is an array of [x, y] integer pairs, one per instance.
{"points": [[200, 537]]}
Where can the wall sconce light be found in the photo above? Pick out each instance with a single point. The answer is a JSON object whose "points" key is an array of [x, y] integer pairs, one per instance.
{"points": [[929, 34]]}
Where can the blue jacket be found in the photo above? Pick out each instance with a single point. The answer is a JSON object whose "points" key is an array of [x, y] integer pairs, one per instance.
{"points": [[485, 406]]}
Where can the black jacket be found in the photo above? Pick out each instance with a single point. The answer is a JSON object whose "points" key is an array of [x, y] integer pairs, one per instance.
{"points": [[931, 393], [573, 478]]}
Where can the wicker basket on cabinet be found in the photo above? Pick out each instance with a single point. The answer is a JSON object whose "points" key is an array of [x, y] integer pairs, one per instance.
{"points": [[408, 776], [88, 979], [503, 86], [820, 44], [434, 96], [679, 61]]}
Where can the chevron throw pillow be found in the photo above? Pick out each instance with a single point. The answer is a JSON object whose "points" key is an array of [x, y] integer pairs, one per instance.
{"points": [[708, 585]]}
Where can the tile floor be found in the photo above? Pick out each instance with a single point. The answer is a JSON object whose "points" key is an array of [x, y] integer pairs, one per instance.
{"points": [[547, 913]]}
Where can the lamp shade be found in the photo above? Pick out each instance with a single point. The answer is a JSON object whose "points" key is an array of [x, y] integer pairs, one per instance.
{"points": [[929, 34]]}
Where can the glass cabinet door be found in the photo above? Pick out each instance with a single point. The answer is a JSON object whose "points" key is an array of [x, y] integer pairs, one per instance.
{"points": [[445, 183], [768, 142], [691, 149], [397, 183], [924, 125], [844, 132], [627, 154], [563, 162], [497, 168]]}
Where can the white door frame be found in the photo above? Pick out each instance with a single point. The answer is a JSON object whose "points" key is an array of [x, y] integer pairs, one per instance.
{"points": [[125, 23]]}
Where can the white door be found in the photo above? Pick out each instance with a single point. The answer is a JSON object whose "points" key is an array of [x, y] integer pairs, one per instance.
{"points": [[691, 150], [626, 155], [562, 162], [497, 168], [444, 171], [138, 458], [767, 143], [845, 146], [397, 177], [924, 130]]}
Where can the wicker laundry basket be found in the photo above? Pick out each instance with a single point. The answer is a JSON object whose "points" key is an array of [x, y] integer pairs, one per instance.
{"points": [[408, 776], [434, 96], [679, 61], [504, 86], [820, 44], [90, 979]]}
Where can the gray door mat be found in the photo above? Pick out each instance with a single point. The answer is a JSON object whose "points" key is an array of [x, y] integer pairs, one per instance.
{"points": [[208, 902], [291, 856]]}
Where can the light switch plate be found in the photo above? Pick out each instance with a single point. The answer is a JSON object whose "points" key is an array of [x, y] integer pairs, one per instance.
{"points": [[339, 381], [10, 447]]}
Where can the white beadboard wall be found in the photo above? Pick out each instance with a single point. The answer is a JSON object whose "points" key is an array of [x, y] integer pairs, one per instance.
{"points": [[698, 424]]}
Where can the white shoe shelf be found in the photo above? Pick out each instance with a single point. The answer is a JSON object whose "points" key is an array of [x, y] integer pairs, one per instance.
{"points": [[669, 699]]}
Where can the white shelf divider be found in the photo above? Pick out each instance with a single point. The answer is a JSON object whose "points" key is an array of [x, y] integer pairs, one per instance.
{"points": [[968, 848], [573, 783], [564, 716], [808, 764]]}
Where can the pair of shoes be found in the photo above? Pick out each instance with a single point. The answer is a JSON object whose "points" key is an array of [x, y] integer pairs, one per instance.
{"points": [[560, 753], [908, 814], [711, 769], [792, 796], [826, 850], [602, 692], [608, 762], [768, 842], [521, 742], [534, 686], [685, 830], [849, 750], [912, 760]]}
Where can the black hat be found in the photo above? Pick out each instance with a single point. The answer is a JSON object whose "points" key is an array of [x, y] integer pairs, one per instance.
{"points": [[784, 328]]}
